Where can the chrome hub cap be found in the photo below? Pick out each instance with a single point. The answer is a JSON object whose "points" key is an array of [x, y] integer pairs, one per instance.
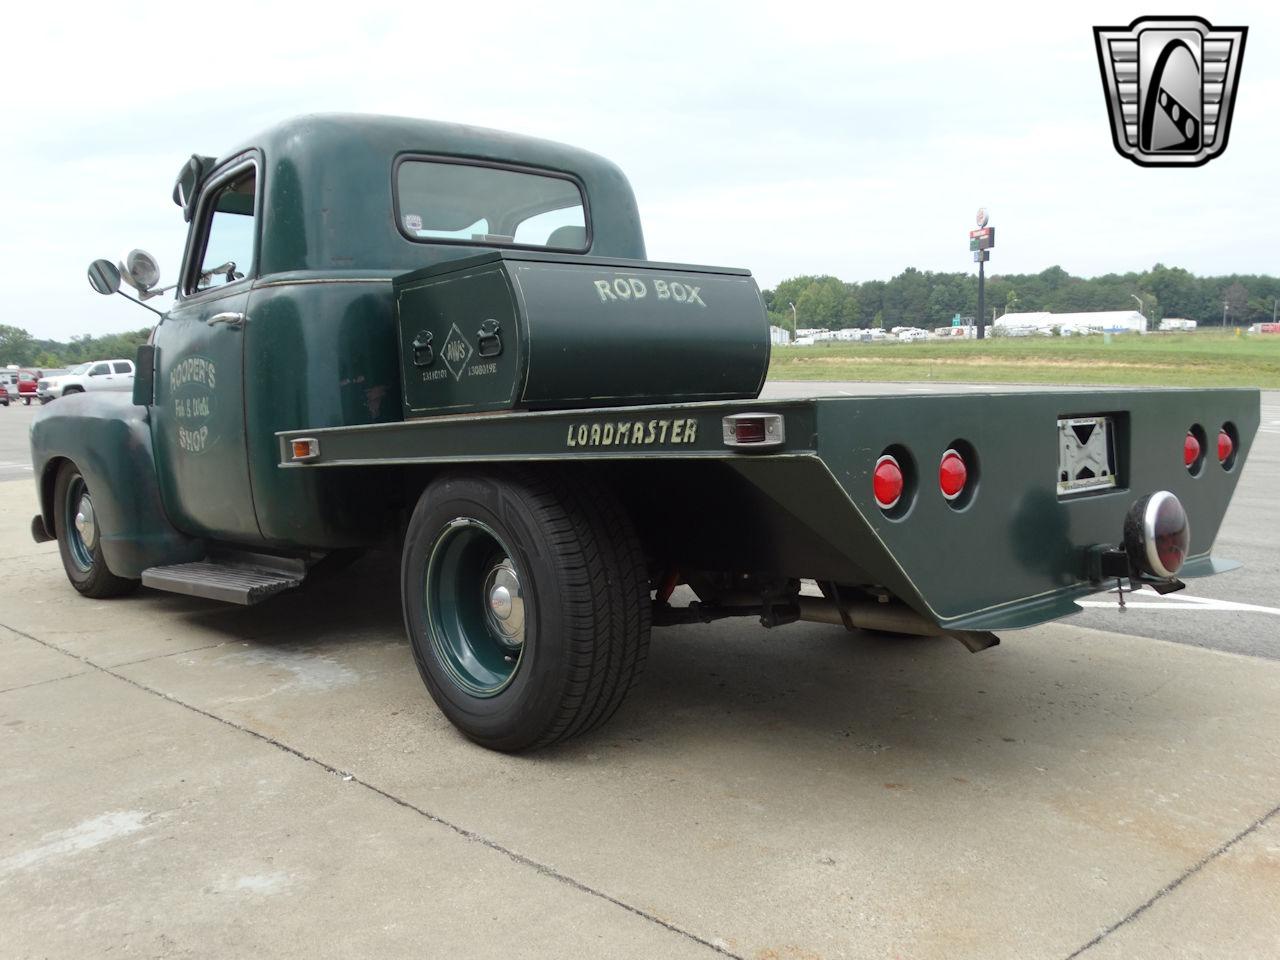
{"points": [[84, 522], [505, 612]]}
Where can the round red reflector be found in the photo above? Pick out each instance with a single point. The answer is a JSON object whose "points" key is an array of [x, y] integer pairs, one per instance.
{"points": [[952, 475], [1225, 446], [1190, 450], [886, 481]]}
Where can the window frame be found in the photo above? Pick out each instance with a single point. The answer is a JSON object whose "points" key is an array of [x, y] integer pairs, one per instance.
{"points": [[465, 161], [201, 223]]}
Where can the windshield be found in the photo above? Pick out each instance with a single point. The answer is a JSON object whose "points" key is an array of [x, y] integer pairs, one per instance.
{"points": [[78, 368], [447, 201]]}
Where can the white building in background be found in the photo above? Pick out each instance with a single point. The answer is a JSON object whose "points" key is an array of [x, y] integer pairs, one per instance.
{"points": [[1176, 323], [1071, 324], [779, 336]]}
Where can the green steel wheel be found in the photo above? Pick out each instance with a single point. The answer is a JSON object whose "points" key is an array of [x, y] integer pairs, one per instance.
{"points": [[76, 526], [473, 607], [526, 602]]}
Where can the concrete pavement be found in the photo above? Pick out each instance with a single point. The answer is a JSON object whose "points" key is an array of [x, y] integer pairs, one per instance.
{"points": [[181, 778]]}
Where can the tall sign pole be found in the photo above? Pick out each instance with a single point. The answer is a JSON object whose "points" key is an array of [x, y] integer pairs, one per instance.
{"points": [[980, 242]]}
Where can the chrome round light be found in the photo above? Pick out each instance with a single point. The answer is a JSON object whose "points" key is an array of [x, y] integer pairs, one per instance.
{"points": [[1157, 534]]}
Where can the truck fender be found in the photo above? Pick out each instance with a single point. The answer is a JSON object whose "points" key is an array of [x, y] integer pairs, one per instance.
{"points": [[108, 438]]}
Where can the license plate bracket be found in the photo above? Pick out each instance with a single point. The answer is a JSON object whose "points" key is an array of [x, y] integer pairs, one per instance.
{"points": [[1086, 455]]}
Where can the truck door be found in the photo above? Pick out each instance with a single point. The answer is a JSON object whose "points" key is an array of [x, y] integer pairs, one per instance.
{"points": [[197, 420]]}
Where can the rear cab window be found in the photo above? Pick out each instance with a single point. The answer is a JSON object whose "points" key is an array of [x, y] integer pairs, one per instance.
{"points": [[442, 200]]}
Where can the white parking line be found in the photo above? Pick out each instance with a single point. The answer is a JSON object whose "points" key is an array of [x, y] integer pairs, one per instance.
{"points": [[1184, 604]]}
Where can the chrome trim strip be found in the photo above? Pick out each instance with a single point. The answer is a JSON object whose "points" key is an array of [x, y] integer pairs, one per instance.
{"points": [[305, 282]]}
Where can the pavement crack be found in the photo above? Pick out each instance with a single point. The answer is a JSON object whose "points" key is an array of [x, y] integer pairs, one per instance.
{"points": [[471, 836], [171, 653], [41, 683], [1174, 884]]}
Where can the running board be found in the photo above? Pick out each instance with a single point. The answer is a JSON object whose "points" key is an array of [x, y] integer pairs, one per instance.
{"points": [[244, 578]]}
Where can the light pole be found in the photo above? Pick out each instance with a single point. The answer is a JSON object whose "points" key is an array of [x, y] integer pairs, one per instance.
{"points": [[1141, 309], [1224, 313], [793, 312], [1274, 302]]}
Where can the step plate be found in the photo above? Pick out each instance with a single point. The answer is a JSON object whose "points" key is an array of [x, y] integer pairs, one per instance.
{"points": [[231, 583]]}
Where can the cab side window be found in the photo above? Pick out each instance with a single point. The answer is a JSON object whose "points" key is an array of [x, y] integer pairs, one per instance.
{"points": [[99, 370], [122, 366], [227, 234]]}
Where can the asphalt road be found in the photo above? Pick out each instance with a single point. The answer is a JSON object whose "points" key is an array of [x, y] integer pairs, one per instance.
{"points": [[15, 454], [182, 778]]}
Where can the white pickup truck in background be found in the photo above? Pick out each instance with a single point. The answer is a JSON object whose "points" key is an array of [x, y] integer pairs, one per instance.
{"points": [[85, 377]]}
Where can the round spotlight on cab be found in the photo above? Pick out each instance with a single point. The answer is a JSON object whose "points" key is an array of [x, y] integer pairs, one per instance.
{"points": [[1157, 534]]}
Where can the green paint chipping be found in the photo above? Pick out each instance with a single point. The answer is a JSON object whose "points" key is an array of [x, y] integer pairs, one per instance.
{"points": [[1202, 359]]}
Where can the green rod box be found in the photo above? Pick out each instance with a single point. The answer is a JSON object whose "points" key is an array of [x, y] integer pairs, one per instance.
{"points": [[524, 330]]}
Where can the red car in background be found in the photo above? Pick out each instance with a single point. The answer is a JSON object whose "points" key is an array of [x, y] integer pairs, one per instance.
{"points": [[27, 380]]}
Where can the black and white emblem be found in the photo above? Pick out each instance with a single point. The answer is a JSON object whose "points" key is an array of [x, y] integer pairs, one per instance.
{"points": [[1170, 84], [456, 352]]}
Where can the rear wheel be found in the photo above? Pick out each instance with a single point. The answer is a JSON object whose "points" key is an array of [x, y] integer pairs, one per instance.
{"points": [[75, 524], [526, 601]]}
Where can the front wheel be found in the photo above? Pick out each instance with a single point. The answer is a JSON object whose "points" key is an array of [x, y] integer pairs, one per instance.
{"points": [[75, 524], [526, 601]]}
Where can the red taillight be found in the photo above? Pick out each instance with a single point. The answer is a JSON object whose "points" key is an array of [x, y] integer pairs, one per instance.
{"points": [[952, 474], [749, 430], [1226, 446], [886, 481], [1191, 450]]}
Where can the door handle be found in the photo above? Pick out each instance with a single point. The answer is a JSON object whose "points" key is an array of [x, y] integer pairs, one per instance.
{"points": [[235, 320]]}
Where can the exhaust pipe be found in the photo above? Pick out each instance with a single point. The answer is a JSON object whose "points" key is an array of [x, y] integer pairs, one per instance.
{"points": [[890, 618]]}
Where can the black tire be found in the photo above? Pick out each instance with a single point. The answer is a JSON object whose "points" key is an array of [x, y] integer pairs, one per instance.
{"points": [[70, 390], [26, 401], [82, 553], [581, 577]]}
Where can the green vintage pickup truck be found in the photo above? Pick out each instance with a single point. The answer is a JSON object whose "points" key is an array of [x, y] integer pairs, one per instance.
{"points": [[447, 339]]}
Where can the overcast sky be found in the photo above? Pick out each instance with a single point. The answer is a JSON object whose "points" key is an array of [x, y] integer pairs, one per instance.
{"points": [[782, 137]]}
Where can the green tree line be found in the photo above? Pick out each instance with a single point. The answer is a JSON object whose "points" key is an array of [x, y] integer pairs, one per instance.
{"points": [[924, 299], [18, 347]]}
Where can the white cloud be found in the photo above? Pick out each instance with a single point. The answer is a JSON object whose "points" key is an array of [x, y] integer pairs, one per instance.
{"points": [[784, 137]]}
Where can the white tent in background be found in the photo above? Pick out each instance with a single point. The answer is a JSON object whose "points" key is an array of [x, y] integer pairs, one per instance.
{"points": [[1069, 324]]}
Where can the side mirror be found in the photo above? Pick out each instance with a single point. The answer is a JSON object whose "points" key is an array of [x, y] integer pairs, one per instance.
{"points": [[140, 270], [104, 277]]}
